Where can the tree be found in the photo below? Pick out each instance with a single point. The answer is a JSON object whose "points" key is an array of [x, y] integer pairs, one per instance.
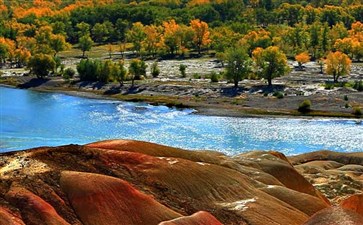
{"points": [[254, 39], [270, 63], [171, 39], [155, 71], [302, 58], [239, 64], [41, 64], [85, 44], [337, 64], [137, 68], [83, 29], [22, 56], [184, 35], [100, 32], [3, 53], [58, 43], [136, 35], [121, 27], [201, 34], [153, 40], [121, 73]]}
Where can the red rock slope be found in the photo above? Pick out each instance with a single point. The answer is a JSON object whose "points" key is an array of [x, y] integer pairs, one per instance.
{"points": [[132, 182]]}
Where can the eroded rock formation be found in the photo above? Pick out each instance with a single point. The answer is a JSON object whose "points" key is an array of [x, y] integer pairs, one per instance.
{"points": [[132, 182]]}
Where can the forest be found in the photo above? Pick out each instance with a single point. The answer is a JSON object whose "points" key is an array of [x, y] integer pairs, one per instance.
{"points": [[31, 31]]}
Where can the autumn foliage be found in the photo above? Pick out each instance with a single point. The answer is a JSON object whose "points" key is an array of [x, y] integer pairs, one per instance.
{"points": [[337, 64], [302, 58]]}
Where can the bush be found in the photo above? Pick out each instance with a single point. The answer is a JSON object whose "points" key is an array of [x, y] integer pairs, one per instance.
{"points": [[357, 111], [305, 106], [155, 71], [358, 85], [214, 77], [329, 86], [41, 65], [182, 69], [278, 94], [69, 73], [197, 76], [346, 98]]}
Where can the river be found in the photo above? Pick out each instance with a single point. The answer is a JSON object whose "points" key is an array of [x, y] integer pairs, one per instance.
{"points": [[31, 119]]}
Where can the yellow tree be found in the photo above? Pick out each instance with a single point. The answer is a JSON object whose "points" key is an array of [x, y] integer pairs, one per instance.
{"points": [[201, 37], [185, 36], [302, 58], [7, 50], [270, 63], [255, 39], [337, 64], [22, 56], [154, 39], [171, 39]]}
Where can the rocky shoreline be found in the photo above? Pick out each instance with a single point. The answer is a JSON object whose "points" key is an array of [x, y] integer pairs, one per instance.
{"points": [[134, 182]]}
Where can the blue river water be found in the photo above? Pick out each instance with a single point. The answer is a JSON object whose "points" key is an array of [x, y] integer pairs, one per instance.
{"points": [[31, 119]]}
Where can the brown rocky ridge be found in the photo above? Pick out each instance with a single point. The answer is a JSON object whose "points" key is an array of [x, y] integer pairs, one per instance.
{"points": [[133, 182]]}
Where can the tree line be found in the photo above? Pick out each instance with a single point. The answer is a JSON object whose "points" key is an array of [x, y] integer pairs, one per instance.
{"points": [[306, 31]]}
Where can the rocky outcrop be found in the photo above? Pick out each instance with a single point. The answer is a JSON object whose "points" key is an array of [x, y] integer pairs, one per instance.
{"points": [[336, 175], [354, 203], [134, 182], [335, 216], [199, 218]]}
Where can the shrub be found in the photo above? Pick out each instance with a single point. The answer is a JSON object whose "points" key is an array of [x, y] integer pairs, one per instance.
{"points": [[358, 85], [155, 71], [214, 77], [69, 73], [278, 94], [347, 105], [357, 111], [182, 69], [345, 97], [41, 64], [305, 106], [329, 86], [197, 76]]}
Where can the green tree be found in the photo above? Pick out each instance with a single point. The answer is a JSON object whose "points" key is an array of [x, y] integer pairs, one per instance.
{"points": [[41, 64], [239, 64], [121, 73], [136, 35], [58, 43], [270, 63], [155, 71], [137, 68], [85, 44], [99, 32], [121, 27], [83, 29]]}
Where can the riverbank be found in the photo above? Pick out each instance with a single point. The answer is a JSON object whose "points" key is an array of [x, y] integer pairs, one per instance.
{"points": [[217, 99], [132, 182]]}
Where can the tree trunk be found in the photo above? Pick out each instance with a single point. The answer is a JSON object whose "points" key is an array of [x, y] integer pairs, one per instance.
{"points": [[83, 53], [335, 77], [269, 81], [236, 83], [133, 81]]}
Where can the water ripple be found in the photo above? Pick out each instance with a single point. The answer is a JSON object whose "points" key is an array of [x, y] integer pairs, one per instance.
{"points": [[36, 119]]}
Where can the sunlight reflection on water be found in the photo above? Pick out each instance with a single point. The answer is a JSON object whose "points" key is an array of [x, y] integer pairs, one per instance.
{"points": [[30, 119]]}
